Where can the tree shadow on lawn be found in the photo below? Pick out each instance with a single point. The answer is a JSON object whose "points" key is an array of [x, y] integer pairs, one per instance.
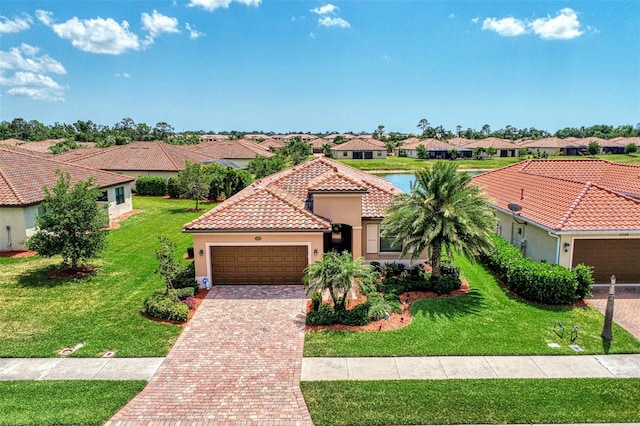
{"points": [[471, 303], [42, 277]]}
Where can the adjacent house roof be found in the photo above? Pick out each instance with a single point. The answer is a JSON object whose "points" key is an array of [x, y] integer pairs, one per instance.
{"points": [[271, 143], [430, 144], [360, 145], [492, 142], [22, 176], [151, 156], [231, 150], [569, 195], [280, 201]]}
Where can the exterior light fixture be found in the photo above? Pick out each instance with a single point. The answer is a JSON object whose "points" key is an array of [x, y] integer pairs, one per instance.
{"points": [[201, 252], [315, 252], [566, 247]]}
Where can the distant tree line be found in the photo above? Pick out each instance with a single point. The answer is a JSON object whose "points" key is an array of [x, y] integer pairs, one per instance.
{"points": [[127, 131]]}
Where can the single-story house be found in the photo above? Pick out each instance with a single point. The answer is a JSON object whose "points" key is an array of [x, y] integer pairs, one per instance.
{"points": [[359, 149], [318, 144], [271, 230], [138, 159], [569, 212], [503, 147], [436, 149], [240, 151], [213, 138], [272, 144], [22, 177]]}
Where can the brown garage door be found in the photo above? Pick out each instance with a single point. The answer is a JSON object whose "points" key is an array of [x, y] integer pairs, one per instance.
{"points": [[610, 257], [258, 264]]}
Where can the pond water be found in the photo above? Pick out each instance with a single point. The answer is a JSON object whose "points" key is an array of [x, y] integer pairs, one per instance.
{"points": [[404, 180]]}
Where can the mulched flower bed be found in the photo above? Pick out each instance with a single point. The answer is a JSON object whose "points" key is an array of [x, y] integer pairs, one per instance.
{"points": [[79, 272], [395, 320], [17, 254], [198, 297]]}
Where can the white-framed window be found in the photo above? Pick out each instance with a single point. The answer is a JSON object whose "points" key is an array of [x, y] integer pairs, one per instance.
{"points": [[387, 245]]}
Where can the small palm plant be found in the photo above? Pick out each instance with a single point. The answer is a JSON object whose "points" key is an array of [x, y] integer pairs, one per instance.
{"points": [[337, 273]]}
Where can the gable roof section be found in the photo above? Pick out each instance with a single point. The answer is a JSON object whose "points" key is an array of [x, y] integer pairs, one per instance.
{"points": [[360, 145], [22, 176], [233, 149], [556, 195], [279, 201], [152, 156], [430, 144]]}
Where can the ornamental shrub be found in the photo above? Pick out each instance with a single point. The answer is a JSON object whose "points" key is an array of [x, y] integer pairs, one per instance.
{"points": [[173, 188], [446, 284], [323, 316], [186, 277], [584, 275], [181, 293], [160, 305], [316, 300], [151, 185], [354, 317]]}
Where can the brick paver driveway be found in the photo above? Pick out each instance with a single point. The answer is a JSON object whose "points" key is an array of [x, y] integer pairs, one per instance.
{"points": [[238, 361], [626, 306]]}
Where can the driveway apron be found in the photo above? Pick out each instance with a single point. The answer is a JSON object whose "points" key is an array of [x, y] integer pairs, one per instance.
{"points": [[238, 361]]}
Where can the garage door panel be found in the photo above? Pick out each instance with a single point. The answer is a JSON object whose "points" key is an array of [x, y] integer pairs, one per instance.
{"points": [[610, 257], [258, 264]]}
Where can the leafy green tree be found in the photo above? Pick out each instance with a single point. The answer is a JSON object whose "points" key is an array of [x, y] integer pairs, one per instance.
{"points": [[423, 125], [262, 166], [326, 149], [491, 151], [71, 223], [337, 273], [631, 148], [594, 148], [522, 152], [297, 150], [378, 133], [478, 151], [422, 152], [64, 145], [193, 182], [443, 211], [454, 153], [168, 267]]}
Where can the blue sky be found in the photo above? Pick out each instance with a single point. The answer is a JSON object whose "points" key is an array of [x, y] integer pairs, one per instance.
{"points": [[284, 66]]}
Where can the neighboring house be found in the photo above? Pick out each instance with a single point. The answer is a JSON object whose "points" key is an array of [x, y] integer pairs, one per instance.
{"points": [[271, 230], [317, 145], [569, 212], [272, 144], [240, 151], [138, 159], [359, 149], [436, 149], [503, 147], [22, 177], [213, 138], [304, 137]]}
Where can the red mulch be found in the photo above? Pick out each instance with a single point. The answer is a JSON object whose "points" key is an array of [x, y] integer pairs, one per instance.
{"points": [[395, 320], [199, 297], [115, 223], [79, 272], [17, 254]]}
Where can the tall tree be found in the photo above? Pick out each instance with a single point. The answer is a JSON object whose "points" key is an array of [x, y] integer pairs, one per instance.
{"points": [[443, 211], [71, 223], [194, 182], [168, 267]]}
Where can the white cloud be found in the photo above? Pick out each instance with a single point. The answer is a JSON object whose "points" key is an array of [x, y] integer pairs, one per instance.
{"points": [[211, 5], [564, 26], [193, 33], [452, 16], [104, 36], [15, 25], [476, 20], [34, 86], [508, 27], [25, 73], [313, 35], [325, 9], [157, 23], [328, 21], [122, 75]]}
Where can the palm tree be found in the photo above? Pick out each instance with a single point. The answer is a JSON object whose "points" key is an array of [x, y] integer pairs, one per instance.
{"points": [[336, 272], [442, 211]]}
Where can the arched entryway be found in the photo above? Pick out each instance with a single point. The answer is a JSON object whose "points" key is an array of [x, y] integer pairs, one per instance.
{"points": [[339, 239]]}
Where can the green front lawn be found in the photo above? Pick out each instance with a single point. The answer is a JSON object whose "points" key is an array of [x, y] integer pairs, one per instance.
{"points": [[486, 321], [413, 164], [60, 402], [41, 315], [473, 401]]}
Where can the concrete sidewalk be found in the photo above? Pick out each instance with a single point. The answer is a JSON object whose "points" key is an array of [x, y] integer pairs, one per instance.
{"points": [[318, 369], [78, 368], [471, 367]]}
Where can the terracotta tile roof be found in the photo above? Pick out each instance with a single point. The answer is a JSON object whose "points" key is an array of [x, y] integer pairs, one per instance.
{"points": [[358, 144], [459, 141], [569, 195], [320, 142], [272, 143], [22, 176], [232, 150], [492, 142], [545, 143], [72, 154], [278, 201], [152, 156], [19, 148], [213, 137], [430, 144]]}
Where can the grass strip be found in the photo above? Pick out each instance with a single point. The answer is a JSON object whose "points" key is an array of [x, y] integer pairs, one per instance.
{"points": [[487, 321], [64, 402], [473, 401]]}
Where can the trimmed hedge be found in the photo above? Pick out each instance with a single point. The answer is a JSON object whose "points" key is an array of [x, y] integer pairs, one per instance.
{"points": [[186, 278], [151, 185], [173, 188], [160, 305], [537, 281]]}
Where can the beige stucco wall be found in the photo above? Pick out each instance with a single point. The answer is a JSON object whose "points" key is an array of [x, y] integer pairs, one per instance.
{"points": [[342, 208], [312, 240], [340, 155], [21, 221]]}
